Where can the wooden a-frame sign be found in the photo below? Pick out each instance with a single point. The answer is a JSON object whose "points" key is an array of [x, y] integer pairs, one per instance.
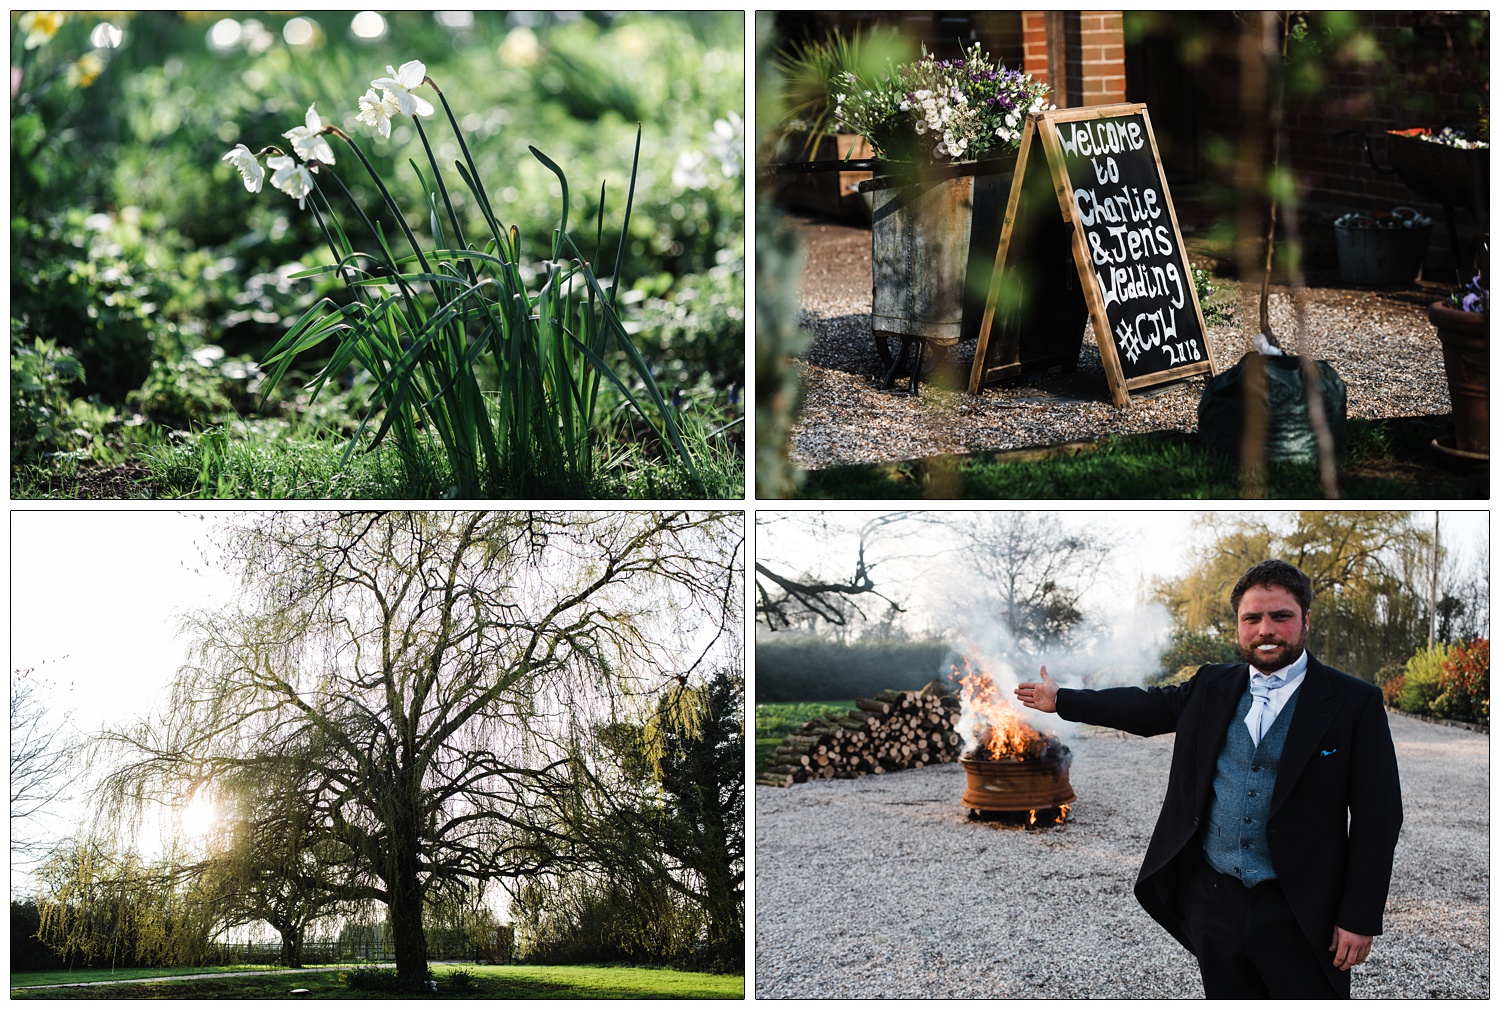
{"points": [[1114, 256]]}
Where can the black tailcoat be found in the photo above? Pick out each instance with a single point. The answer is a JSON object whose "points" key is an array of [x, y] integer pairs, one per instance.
{"points": [[1335, 811]]}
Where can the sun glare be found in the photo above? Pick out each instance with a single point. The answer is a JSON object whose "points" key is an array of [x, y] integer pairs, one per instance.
{"points": [[199, 817]]}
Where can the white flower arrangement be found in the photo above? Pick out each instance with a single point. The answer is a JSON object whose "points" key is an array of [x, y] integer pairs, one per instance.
{"points": [[941, 110]]}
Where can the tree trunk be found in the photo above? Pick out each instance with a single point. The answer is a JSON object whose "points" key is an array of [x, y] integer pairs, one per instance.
{"points": [[291, 946], [406, 915]]}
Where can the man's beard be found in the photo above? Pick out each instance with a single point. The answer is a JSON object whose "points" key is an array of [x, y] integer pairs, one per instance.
{"points": [[1271, 662]]}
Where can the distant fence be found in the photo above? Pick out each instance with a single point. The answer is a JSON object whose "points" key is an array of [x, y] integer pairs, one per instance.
{"points": [[313, 952], [500, 949]]}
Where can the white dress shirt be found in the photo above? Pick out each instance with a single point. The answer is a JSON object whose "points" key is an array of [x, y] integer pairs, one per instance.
{"points": [[1281, 695]]}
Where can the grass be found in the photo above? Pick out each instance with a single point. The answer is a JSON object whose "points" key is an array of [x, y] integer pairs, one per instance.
{"points": [[1386, 459], [266, 460], [62, 976], [774, 721], [489, 982]]}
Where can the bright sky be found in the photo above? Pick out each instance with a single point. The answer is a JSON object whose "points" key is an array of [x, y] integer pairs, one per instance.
{"points": [[1152, 543], [95, 598]]}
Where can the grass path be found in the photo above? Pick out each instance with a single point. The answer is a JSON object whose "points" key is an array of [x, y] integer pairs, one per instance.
{"points": [[199, 975]]}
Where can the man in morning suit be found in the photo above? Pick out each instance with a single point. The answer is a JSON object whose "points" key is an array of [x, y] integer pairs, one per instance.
{"points": [[1272, 855]]}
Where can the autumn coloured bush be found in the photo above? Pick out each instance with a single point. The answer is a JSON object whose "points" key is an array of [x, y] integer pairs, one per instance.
{"points": [[1465, 683]]}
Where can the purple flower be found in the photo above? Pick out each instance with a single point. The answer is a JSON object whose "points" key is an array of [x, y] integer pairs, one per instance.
{"points": [[1472, 303]]}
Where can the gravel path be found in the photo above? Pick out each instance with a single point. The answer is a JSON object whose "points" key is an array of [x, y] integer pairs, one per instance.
{"points": [[1381, 344], [881, 887]]}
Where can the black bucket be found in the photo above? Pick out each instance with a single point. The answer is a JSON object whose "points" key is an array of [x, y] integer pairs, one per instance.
{"points": [[1378, 255]]}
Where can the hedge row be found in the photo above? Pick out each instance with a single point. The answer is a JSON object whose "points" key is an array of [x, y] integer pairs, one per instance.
{"points": [[811, 669]]}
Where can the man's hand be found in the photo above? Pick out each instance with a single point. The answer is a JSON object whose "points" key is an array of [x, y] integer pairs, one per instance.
{"points": [[1349, 949], [1040, 695]]}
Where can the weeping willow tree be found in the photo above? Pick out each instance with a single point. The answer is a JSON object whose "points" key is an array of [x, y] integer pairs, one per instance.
{"points": [[425, 671], [103, 904], [270, 861], [658, 817], [1368, 569]]}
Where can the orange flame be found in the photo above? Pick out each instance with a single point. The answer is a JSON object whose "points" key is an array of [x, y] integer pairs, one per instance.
{"points": [[999, 731]]}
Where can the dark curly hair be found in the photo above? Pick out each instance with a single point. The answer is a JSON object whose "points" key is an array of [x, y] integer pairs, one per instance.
{"points": [[1274, 574]]}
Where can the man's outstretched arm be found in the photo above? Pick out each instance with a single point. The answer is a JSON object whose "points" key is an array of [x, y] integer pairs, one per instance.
{"points": [[1132, 709]]}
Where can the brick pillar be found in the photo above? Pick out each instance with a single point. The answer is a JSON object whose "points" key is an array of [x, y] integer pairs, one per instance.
{"points": [[1082, 55], [1101, 47], [1034, 44]]}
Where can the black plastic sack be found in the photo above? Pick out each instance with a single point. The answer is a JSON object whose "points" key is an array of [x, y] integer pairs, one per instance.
{"points": [[1289, 433]]}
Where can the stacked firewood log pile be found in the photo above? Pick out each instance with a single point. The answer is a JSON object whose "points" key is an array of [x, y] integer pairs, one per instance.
{"points": [[892, 731]]}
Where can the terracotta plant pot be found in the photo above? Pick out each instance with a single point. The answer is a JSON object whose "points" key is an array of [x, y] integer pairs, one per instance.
{"points": [[1466, 359]]}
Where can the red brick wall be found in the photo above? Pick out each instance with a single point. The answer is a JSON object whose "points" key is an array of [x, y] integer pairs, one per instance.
{"points": [[1034, 37], [1421, 79], [1094, 54], [1102, 57], [1422, 69]]}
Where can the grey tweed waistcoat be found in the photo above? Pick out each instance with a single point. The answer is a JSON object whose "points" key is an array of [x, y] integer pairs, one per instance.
{"points": [[1234, 840]]}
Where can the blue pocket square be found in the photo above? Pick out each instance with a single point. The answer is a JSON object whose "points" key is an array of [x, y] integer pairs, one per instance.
{"points": [[1328, 752]]}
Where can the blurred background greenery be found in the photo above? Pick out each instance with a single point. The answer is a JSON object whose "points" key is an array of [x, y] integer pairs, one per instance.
{"points": [[146, 282]]}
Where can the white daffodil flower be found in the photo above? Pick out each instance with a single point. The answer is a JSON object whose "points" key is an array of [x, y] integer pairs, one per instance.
{"points": [[291, 178], [400, 85], [243, 159], [376, 111], [307, 142]]}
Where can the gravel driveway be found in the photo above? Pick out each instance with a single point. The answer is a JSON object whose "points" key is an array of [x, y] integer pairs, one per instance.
{"points": [[881, 887], [1380, 343]]}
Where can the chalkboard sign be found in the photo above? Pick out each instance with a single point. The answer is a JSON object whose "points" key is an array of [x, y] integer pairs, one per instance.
{"points": [[1127, 255]]}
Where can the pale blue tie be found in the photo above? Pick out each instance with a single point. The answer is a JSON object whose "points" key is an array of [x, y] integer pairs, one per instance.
{"points": [[1259, 720]]}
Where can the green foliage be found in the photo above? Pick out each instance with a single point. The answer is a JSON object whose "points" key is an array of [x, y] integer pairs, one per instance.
{"points": [[27, 951], [581, 919], [778, 338], [1214, 313], [102, 905], [1189, 649], [367, 978], [187, 262], [1363, 565], [1423, 680], [1388, 459], [44, 420], [432, 325], [671, 833], [814, 669], [809, 69]]}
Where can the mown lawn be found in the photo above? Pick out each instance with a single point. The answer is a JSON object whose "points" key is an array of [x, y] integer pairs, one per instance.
{"points": [[64, 976], [775, 721], [485, 982], [1386, 459]]}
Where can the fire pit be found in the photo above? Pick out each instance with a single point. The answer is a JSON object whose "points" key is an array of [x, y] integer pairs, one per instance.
{"points": [[1012, 769], [1019, 786]]}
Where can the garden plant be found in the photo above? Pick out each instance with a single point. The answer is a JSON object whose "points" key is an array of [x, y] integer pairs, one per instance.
{"points": [[529, 282]]}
